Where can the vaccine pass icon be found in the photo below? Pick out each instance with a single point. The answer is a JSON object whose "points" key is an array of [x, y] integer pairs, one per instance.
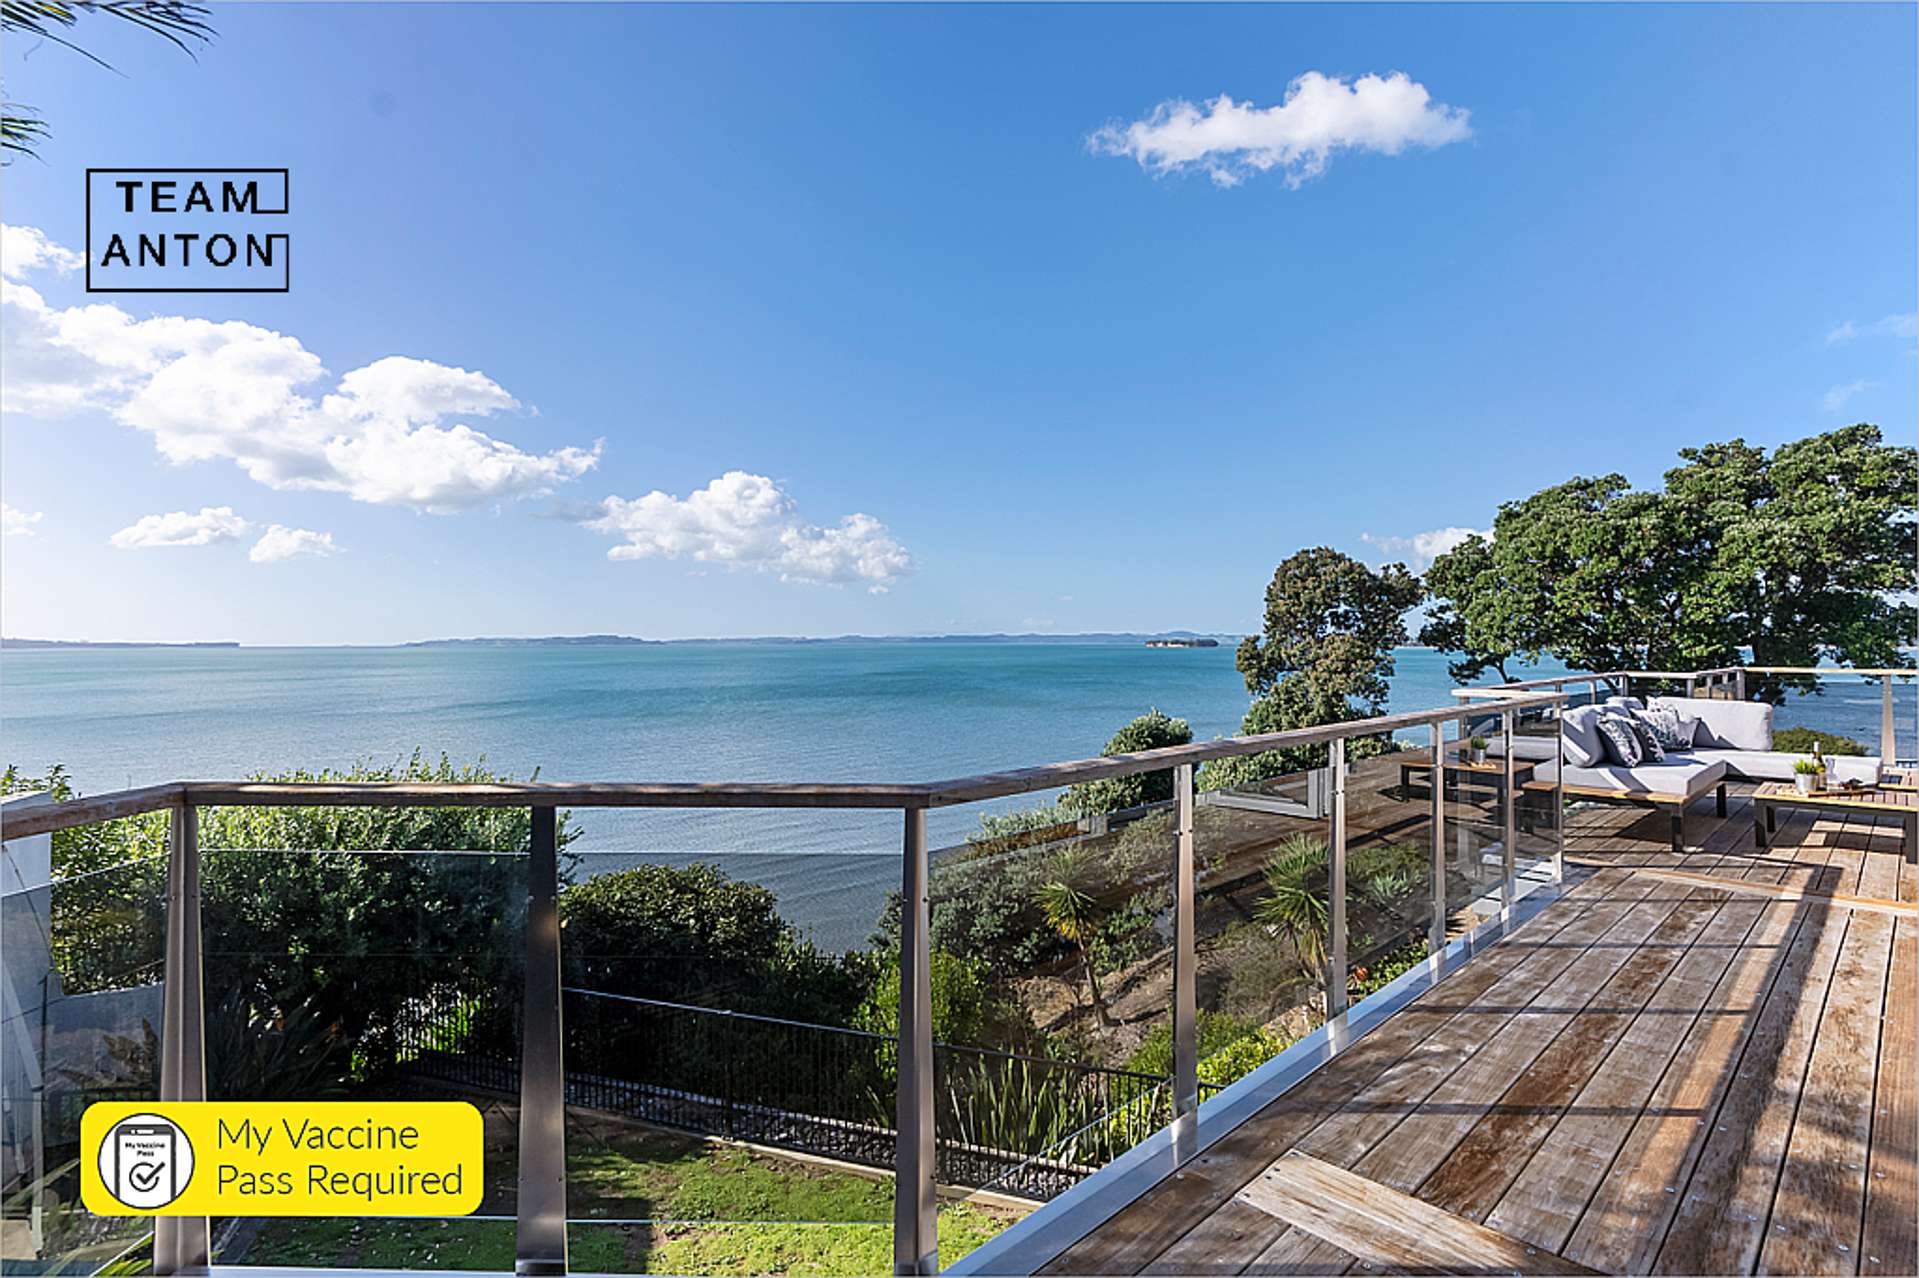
{"points": [[145, 1162]]}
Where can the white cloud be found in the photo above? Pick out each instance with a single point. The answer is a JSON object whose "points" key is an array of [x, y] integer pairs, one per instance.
{"points": [[212, 525], [1321, 115], [206, 391], [17, 523], [280, 542], [746, 521], [25, 248], [1837, 398], [1420, 549], [1906, 325]]}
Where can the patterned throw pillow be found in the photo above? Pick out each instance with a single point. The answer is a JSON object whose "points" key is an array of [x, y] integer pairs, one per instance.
{"points": [[1650, 751], [1672, 730], [1622, 743]]}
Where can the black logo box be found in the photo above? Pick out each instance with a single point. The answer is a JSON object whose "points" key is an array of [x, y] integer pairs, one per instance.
{"points": [[286, 200]]}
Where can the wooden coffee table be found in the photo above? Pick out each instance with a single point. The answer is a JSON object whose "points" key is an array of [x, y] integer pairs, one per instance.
{"points": [[1872, 800]]}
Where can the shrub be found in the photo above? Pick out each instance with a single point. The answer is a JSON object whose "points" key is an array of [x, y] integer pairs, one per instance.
{"points": [[1217, 1031], [692, 934], [1150, 731], [1802, 741], [339, 951], [1380, 973], [1242, 1056], [983, 909], [967, 1009]]}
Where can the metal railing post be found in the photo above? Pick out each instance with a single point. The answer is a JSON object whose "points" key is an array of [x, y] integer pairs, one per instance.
{"points": [[540, 1246], [1185, 972], [915, 1207], [180, 1243], [1888, 734], [1511, 832], [1739, 685], [1559, 799], [1336, 888], [1437, 938]]}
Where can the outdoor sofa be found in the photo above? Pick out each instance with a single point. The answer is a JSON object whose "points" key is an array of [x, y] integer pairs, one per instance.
{"points": [[1732, 740]]}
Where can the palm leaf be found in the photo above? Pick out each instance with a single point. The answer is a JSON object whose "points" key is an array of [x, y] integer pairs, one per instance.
{"points": [[178, 22]]}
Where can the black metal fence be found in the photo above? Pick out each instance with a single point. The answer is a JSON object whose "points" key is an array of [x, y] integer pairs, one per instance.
{"points": [[1022, 1125]]}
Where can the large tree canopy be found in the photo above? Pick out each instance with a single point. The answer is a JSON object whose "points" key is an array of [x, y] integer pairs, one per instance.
{"points": [[1323, 655], [1795, 555]]}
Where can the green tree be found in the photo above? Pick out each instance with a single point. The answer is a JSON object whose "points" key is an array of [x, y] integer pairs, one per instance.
{"points": [[1324, 655], [181, 24], [1798, 554], [1150, 731], [1490, 646]]}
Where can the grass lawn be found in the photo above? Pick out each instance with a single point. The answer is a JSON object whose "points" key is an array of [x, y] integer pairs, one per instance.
{"points": [[710, 1210]]}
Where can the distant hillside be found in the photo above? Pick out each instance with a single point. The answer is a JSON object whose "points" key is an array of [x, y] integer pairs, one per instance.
{"points": [[1168, 638], [1128, 638], [87, 643]]}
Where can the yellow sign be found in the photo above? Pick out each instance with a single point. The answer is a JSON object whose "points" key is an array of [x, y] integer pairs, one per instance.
{"points": [[281, 1158]]}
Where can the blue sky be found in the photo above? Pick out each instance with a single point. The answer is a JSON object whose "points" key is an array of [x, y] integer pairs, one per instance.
{"points": [[865, 261]]}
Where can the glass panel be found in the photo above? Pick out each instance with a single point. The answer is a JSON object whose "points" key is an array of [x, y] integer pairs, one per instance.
{"points": [[1389, 859], [1056, 915], [1263, 830], [730, 1053], [1540, 811], [1847, 707], [80, 962], [1475, 819], [367, 975]]}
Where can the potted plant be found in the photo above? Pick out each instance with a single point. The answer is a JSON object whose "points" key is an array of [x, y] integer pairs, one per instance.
{"points": [[1476, 750], [1805, 776]]}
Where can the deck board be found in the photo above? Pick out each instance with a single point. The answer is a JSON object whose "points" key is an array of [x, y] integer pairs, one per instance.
{"points": [[1819, 1202], [1891, 1228], [1731, 1097], [1140, 1232], [1360, 1133], [1385, 1229], [1653, 1074]]}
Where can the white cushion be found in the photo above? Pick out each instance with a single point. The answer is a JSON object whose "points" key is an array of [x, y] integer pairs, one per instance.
{"points": [[1776, 765], [1625, 703], [1725, 725], [1675, 778], [1580, 731]]}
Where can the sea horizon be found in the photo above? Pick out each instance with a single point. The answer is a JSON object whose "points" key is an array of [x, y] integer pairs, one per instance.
{"points": [[868, 711], [614, 640]]}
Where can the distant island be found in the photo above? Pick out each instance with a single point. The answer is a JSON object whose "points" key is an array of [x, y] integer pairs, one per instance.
{"points": [[133, 643], [1182, 643]]}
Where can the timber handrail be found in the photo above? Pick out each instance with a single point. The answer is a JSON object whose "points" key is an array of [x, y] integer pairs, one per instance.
{"points": [[44, 818], [1502, 691]]}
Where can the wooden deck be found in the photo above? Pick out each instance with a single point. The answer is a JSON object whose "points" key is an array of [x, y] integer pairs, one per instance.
{"points": [[1689, 1064]]}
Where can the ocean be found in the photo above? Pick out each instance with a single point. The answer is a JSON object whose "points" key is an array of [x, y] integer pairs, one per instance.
{"points": [[873, 711]]}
